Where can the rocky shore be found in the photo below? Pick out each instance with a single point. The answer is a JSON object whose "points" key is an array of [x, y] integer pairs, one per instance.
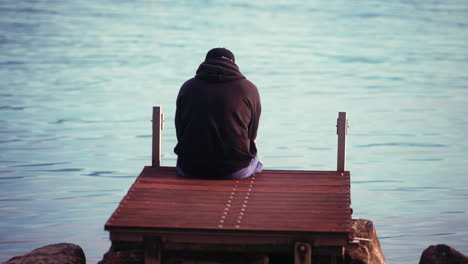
{"points": [[364, 248], [63, 253]]}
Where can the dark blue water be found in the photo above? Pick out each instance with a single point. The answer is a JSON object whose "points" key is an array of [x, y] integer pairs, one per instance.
{"points": [[78, 80]]}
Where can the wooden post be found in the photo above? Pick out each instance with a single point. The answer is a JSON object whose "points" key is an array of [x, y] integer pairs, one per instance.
{"points": [[152, 251], [302, 253], [158, 121], [342, 131]]}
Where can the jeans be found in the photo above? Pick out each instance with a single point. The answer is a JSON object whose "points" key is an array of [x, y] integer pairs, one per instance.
{"points": [[255, 167]]}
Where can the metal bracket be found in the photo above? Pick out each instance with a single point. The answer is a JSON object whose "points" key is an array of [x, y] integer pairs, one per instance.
{"points": [[302, 253], [342, 131], [158, 125]]}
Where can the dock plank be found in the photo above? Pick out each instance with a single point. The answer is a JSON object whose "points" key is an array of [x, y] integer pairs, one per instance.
{"points": [[272, 201]]}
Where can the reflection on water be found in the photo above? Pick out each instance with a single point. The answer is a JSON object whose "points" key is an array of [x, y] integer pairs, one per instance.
{"points": [[79, 78]]}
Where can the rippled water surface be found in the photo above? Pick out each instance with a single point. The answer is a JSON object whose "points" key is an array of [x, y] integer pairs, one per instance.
{"points": [[78, 80]]}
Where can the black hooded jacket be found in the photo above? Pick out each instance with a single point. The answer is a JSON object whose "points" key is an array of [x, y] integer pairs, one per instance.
{"points": [[216, 121]]}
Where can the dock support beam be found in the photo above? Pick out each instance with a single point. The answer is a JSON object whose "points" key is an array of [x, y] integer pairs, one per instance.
{"points": [[152, 251], [342, 131], [302, 253], [158, 122]]}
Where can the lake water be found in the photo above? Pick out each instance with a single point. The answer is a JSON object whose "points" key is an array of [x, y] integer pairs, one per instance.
{"points": [[78, 79]]}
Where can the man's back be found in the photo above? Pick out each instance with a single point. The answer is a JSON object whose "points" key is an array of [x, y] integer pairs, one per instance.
{"points": [[217, 120]]}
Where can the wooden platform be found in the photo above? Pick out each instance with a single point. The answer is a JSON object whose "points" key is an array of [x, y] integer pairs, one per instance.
{"points": [[295, 212], [270, 211]]}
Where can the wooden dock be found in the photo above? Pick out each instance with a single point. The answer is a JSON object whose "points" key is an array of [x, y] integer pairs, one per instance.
{"points": [[303, 213]]}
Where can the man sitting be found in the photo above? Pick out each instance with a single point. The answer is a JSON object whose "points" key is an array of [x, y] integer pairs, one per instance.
{"points": [[216, 121]]}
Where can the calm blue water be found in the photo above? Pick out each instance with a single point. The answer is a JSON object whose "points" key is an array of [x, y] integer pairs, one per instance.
{"points": [[78, 80]]}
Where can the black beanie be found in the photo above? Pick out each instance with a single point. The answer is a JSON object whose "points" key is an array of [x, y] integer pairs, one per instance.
{"points": [[220, 54]]}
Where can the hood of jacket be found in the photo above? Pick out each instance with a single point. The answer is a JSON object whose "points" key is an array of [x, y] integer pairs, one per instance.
{"points": [[218, 71]]}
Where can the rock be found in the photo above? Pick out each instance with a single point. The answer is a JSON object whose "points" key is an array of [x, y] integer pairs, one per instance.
{"points": [[442, 254], [131, 256], [62, 253], [365, 248]]}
